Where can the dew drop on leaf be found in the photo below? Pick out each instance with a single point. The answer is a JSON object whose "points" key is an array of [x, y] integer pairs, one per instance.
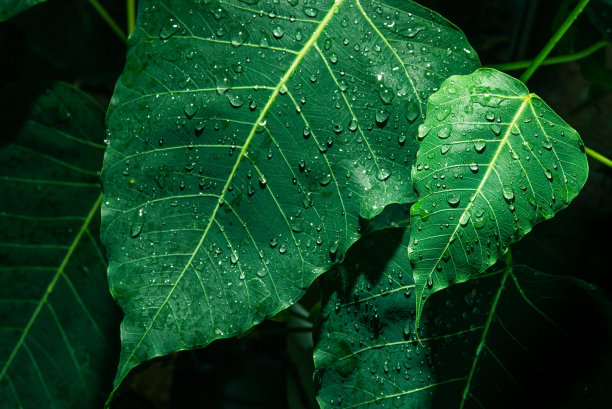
{"points": [[444, 132], [453, 200]]}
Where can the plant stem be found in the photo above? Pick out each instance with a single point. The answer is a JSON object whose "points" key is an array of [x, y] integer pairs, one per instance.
{"points": [[517, 65], [109, 20], [131, 15], [598, 157], [553, 40]]}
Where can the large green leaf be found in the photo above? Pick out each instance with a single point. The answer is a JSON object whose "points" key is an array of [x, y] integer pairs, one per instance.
{"points": [[512, 338], [493, 161], [246, 140], [57, 318], [9, 8]]}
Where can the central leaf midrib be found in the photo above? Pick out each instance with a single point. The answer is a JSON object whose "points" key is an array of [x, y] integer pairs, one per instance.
{"points": [[311, 41], [526, 100]]}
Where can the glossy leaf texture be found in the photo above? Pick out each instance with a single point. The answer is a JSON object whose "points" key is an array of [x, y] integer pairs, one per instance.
{"points": [[247, 138], [511, 338], [9, 8], [58, 346], [493, 161]]}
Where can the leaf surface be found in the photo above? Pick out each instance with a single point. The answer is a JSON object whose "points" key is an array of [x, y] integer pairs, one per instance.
{"points": [[246, 141], [9, 8], [58, 321], [493, 161], [505, 340]]}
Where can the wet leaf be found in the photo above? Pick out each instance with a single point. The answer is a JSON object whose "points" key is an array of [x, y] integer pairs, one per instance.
{"points": [[506, 339], [512, 163], [246, 140]]}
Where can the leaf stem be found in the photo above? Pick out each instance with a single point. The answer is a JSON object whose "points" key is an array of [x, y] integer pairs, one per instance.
{"points": [[109, 20], [553, 41], [131, 15], [517, 65], [598, 157]]}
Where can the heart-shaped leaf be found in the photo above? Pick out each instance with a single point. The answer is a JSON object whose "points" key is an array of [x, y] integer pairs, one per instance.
{"points": [[493, 161], [246, 140], [58, 323]]}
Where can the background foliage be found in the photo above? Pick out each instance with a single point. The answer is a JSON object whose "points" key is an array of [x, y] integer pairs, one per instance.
{"points": [[271, 366]]}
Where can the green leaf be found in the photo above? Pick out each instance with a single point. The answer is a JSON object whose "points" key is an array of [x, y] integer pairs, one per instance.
{"points": [[58, 321], [493, 161], [246, 140], [9, 8], [506, 340]]}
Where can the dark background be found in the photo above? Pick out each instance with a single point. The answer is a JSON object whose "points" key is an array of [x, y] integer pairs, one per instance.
{"points": [[271, 366]]}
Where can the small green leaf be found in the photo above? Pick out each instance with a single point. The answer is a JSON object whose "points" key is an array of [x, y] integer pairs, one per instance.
{"points": [[58, 322], [246, 140], [505, 340], [493, 161], [9, 8]]}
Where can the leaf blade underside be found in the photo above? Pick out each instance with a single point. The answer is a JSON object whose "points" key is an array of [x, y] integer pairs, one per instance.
{"points": [[58, 319], [502, 340], [312, 121]]}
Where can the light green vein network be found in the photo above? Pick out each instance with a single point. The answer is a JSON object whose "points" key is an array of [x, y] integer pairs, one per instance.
{"points": [[245, 142], [493, 161]]}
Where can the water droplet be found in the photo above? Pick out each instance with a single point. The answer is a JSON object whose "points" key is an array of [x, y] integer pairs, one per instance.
{"points": [[548, 175], [353, 125], [168, 31], [306, 132], [296, 224], [333, 248], [496, 129], [327, 44], [273, 243], [235, 100], [311, 11], [423, 132], [324, 181], [262, 181], [508, 193], [490, 116], [386, 95], [444, 149], [412, 110], [479, 146], [233, 257], [278, 32], [137, 223], [383, 174], [238, 36], [443, 113], [464, 220], [474, 167], [381, 117], [190, 110], [453, 200], [444, 132]]}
